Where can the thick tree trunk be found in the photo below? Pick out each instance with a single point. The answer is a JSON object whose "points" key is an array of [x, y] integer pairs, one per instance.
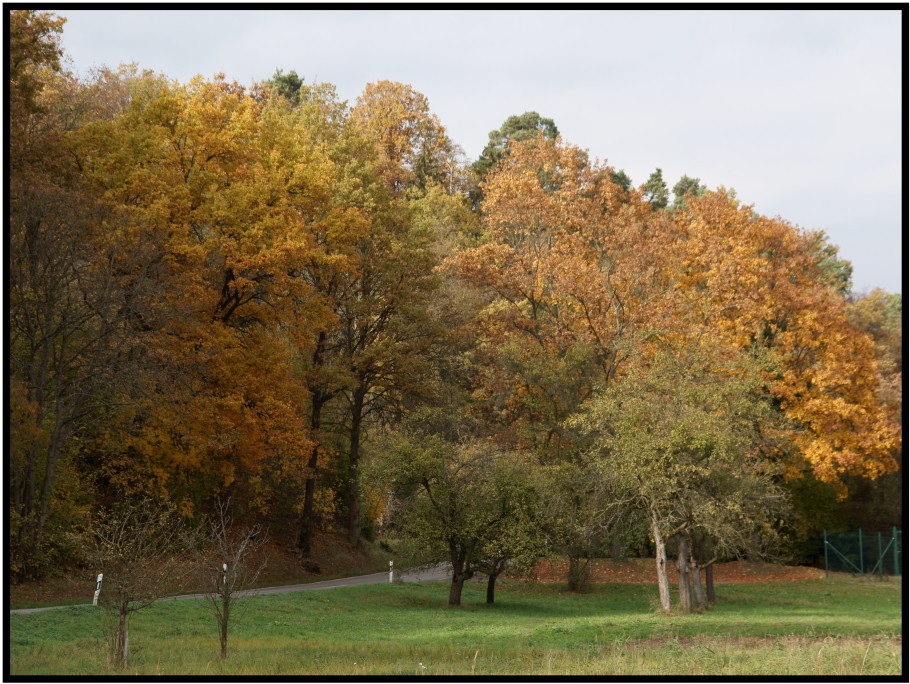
{"points": [[455, 589], [709, 584], [491, 586], [354, 523], [307, 521], [305, 538], [682, 570], [49, 468], [460, 574], [695, 577], [577, 578], [660, 557]]}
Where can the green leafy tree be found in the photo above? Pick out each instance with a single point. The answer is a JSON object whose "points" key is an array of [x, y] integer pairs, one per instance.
{"points": [[461, 496], [513, 541], [621, 178], [582, 511], [684, 186], [837, 273], [681, 436], [287, 85], [655, 190]]}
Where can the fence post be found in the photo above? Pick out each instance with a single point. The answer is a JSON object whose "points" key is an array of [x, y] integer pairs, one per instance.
{"points": [[894, 551], [825, 537], [862, 570]]}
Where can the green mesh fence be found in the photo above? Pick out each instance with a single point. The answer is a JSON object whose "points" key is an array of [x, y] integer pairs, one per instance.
{"points": [[864, 552]]}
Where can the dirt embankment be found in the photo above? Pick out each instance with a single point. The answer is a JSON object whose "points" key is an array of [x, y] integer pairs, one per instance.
{"points": [[334, 558]]}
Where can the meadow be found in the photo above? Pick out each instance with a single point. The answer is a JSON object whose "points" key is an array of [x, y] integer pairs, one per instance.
{"points": [[830, 627]]}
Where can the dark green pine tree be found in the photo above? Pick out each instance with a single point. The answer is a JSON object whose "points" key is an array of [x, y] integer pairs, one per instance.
{"points": [[683, 187], [656, 193], [287, 84]]}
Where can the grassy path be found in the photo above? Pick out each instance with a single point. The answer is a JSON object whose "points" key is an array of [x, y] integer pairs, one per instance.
{"points": [[823, 627]]}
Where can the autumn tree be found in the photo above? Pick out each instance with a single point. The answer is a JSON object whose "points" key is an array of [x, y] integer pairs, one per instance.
{"points": [[578, 282], [66, 342], [34, 53], [372, 279], [386, 333], [757, 283], [572, 264], [413, 143], [520, 128], [226, 196], [879, 503]]}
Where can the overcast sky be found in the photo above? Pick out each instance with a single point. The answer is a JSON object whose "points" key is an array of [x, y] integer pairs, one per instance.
{"points": [[799, 111]]}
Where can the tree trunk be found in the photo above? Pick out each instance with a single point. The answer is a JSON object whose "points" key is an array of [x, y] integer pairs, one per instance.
{"points": [[579, 570], [354, 524], [307, 522], [695, 576], [49, 468], [709, 584], [660, 557], [491, 586], [459, 575], [455, 590], [120, 647], [225, 619], [305, 538], [682, 570]]}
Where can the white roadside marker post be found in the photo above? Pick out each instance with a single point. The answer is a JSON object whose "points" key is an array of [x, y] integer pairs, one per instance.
{"points": [[224, 573], [391, 572], [97, 589]]}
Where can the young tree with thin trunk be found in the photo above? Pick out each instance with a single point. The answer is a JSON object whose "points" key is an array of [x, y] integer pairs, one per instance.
{"points": [[232, 562], [138, 548]]}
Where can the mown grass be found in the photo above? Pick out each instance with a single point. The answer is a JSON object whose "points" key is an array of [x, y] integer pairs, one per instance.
{"points": [[815, 627]]}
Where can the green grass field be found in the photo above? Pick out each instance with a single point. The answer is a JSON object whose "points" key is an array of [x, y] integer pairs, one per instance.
{"points": [[836, 626]]}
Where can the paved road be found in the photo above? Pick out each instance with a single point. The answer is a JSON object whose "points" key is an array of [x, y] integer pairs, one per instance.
{"points": [[436, 573]]}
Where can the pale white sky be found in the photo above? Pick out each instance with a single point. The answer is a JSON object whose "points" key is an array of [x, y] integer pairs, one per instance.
{"points": [[799, 111]]}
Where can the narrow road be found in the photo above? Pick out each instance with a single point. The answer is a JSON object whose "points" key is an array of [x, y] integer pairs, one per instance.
{"points": [[438, 573]]}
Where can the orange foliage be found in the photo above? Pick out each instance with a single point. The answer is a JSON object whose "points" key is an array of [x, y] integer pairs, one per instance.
{"points": [[227, 197], [575, 263], [755, 281]]}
